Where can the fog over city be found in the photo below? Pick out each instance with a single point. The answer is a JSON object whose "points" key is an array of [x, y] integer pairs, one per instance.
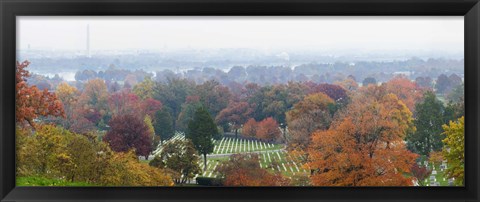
{"points": [[263, 33], [184, 43]]}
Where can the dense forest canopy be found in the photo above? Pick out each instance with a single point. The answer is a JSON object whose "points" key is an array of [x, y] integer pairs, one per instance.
{"points": [[361, 123]]}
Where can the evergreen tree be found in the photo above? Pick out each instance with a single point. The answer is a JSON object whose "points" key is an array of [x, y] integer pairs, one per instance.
{"points": [[430, 116], [201, 129], [163, 124], [369, 80]]}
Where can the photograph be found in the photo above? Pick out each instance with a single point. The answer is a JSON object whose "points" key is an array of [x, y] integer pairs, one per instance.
{"points": [[240, 101]]}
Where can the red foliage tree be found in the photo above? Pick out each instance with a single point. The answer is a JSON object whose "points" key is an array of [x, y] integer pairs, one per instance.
{"points": [[269, 131], [420, 172], [150, 106], [244, 170], [129, 132], [236, 114], [123, 102], [30, 102], [336, 92]]}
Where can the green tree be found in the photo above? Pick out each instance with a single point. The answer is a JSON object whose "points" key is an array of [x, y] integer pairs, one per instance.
{"points": [[213, 96], [369, 80], [430, 116], [173, 94], [454, 150], [188, 109], [181, 158], [163, 124], [201, 131]]}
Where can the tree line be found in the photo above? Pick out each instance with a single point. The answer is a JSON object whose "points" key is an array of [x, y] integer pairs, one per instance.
{"points": [[343, 133]]}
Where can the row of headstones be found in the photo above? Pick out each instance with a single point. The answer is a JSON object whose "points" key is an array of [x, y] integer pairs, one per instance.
{"points": [[177, 136], [291, 165], [230, 145], [433, 181], [210, 169]]}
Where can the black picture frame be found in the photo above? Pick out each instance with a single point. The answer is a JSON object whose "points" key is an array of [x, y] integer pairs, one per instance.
{"points": [[9, 9]]}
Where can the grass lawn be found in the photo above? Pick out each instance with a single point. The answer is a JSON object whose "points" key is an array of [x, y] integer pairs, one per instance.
{"points": [[145, 161], [42, 181]]}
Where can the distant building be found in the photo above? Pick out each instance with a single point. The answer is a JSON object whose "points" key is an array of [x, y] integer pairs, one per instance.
{"points": [[406, 73], [88, 41]]}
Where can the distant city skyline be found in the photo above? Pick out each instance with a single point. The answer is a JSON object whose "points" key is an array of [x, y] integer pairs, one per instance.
{"points": [[368, 34]]}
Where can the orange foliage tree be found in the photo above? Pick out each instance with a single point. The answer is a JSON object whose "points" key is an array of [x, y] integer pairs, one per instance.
{"points": [[250, 128], [30, 102], [364, 147], [406, 91]]}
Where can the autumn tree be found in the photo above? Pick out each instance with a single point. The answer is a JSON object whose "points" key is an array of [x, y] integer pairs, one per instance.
{"points": [[129, 132], [421, 173], [123, 102], [163, 124], [311, 114], [430, 116], [124, 169], [144, 89], [201, 131], [250, 128], [296, 92], [268, 130], [407, 91], [55, 153], [454, 150], [348, 84], [235, 114], [68, 95], [151, 130], [436, 157], [149, 107], [180, 157], [244, 170], [336, 92], [93, 101], [42, 151], [30, 102], [364, 146]]}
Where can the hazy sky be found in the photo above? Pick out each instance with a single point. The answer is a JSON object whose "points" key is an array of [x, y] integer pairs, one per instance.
{"points": [[158, 33]]}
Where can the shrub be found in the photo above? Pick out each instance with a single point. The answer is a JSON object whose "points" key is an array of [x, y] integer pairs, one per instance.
{"points": [[209, 181]]}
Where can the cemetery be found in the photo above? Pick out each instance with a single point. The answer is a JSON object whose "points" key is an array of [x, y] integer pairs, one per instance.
{"points": [[437, 177], [271, 156]]}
